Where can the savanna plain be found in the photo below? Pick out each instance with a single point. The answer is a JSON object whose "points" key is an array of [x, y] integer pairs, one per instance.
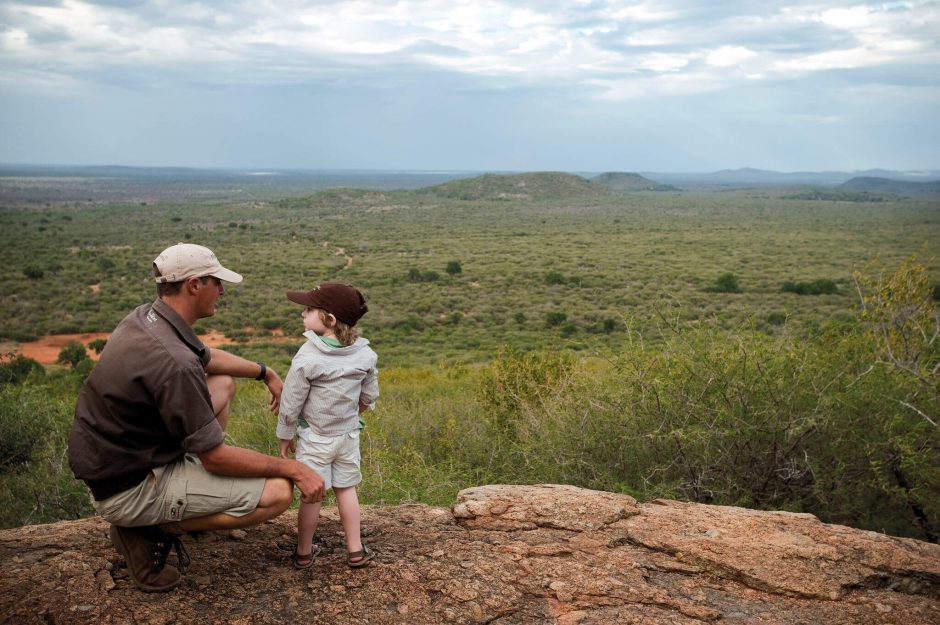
{"points": [[741, 347]]}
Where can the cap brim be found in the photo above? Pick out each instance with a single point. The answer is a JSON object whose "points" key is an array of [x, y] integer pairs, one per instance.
{"points": [[301, 297], [227, 275]]}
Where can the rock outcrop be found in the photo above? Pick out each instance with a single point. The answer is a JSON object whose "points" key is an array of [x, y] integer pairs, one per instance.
{"points": [[503, 555]]}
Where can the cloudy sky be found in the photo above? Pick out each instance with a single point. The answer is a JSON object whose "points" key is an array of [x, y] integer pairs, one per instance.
{"points": [[578, 85]]}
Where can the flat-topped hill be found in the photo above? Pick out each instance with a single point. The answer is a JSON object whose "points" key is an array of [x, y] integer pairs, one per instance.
{"points": [[518, 187], [626, 181], [873, 184], [505, 555]]}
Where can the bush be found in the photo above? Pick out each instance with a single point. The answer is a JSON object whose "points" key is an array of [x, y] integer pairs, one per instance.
{"points": [[270, 323], [98, 345], [454, 268], [414, 275], [36, 484], [18, 368], [72, 353], [515, 381], [816, 287], [554, 318], [777, 318], [553, 277], [20, 431], [33, 273], [727, 283]]}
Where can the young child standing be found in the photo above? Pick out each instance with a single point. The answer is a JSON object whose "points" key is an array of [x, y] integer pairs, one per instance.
{"points": [[332, 379]]}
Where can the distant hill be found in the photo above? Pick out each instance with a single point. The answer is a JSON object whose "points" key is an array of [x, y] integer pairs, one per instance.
{"points": [[518, 187], [749, 177], [872, 184], [624, 181]]}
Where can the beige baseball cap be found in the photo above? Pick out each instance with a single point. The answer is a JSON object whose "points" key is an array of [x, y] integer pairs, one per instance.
{"points": [[186, 260]]}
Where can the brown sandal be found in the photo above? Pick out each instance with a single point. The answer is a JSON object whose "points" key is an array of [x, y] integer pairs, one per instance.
{"points": [[364, 556], [305, 561]]}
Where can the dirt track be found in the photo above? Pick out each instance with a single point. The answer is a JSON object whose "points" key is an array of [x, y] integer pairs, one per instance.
{"points": [[46, 350]]}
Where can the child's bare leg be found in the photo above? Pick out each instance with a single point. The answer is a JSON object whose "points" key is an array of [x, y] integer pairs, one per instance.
{"points": [[307, 519], [348, 504]]}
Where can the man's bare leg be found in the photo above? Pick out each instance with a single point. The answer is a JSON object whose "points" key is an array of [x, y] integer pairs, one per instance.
{"points": [[276, 497], [222, 391]]}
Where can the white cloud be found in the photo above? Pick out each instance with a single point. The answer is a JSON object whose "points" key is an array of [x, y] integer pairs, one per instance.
{"points": [[727, 56], [583, 43]]}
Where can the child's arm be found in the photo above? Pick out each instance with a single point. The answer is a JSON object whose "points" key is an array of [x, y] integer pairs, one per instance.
{"points": [[370, 390], [287, 445], [293, 398]]}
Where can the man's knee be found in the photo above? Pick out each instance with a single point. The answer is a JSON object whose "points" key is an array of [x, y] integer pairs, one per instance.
{"points": [[277, 495], [222, 391]]}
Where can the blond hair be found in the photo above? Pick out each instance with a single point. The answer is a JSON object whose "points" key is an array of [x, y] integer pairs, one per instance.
{"points": [[345, 334]]}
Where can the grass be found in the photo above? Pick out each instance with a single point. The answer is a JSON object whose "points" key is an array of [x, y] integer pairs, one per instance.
{"points": [[619, 254], [630, 273]]}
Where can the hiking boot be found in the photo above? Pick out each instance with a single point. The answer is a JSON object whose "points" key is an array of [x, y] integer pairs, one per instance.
{"points": [[145, 549]]}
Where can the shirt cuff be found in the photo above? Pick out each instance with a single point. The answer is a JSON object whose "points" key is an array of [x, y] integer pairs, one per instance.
{"points": [[286, 432]]}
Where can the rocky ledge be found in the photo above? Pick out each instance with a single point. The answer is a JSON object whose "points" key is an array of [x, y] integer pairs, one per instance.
{"points": [[503, 555]]}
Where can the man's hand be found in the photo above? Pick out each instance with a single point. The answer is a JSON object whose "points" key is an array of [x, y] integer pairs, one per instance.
{"points": [[309, 483], [287, 446]]}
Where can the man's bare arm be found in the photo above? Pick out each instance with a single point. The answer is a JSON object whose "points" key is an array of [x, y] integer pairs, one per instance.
{"points": [[224, 363], [235, 461]]}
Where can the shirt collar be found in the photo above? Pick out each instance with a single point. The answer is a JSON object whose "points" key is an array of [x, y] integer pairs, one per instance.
{"points": [[183, 329]]}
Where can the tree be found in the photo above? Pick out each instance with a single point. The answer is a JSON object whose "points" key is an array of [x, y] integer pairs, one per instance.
{"points": [[98, 345], [72, 353], [905, 326]]}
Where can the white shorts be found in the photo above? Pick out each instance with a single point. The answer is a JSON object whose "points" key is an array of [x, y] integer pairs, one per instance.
{"points": [[335, 458]]}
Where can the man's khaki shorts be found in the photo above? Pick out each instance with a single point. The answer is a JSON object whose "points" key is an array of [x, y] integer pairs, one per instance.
{"points": [[181, 490]]}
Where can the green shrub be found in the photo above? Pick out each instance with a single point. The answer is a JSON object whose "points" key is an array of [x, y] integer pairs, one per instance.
{"points": [[20, 432], [98, 345], [415, 275], [36, 484], [270, 323], [72, 353], [777, 318], [727, 283], [816, 287], [554, 277], [554, 318], [454, 267], [83, 368], [18, 368], [515, 381], [33, 273]]}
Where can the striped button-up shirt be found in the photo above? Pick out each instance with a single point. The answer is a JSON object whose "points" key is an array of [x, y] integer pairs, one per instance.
{"points": [[325, 385]]}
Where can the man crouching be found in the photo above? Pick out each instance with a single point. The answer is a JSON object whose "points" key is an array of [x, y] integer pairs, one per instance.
{"points": [[150, 424]]}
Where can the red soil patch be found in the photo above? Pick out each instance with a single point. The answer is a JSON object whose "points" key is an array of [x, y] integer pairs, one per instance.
{"points": [[46, 350]]}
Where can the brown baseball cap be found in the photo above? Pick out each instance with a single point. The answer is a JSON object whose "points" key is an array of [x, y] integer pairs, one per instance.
{"points": [[186, 260], [343, 301]]}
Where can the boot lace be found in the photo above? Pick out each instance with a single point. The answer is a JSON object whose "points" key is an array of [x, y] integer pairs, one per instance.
{"points": [[162, 545]]}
